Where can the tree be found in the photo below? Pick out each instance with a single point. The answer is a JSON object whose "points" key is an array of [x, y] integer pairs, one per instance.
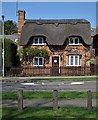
{"points": [[10, 27]]}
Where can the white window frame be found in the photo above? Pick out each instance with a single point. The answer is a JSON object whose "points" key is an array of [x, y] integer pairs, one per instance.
{"points": [[69, 41], [38, 39], [38, 61], [74, 58]]}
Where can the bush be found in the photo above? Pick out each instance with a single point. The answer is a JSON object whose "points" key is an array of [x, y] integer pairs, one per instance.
{"points": [[0, 53], [10, 50], [30, 52], [43, 53]]}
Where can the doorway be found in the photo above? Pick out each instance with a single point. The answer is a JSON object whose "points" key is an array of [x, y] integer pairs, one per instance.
{"points": [[55, 66]]}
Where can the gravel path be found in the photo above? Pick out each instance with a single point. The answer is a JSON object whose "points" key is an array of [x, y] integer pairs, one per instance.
{"points": [[48, 102]]}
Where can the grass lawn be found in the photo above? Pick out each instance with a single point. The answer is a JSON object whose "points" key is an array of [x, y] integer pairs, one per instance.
{"points": [[72, 79], [38, 94], [47, 113]]}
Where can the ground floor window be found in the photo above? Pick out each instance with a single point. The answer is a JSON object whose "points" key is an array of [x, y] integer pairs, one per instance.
{"points": [[73, 60], [38, 61]]}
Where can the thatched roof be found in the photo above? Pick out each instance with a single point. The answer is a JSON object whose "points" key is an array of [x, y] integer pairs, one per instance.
{"points": [[56, 31]]}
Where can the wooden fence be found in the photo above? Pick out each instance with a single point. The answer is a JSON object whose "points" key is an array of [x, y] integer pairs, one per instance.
{"points": [[55, 99], [48, 71]]}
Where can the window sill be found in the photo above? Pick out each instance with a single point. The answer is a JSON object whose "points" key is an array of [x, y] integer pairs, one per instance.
{"points": [[73, 65], [38, 44], [74, 44], [38, 65]]}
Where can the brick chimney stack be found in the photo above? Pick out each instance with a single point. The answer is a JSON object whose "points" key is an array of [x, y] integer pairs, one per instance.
{"points": [[21, 20]]}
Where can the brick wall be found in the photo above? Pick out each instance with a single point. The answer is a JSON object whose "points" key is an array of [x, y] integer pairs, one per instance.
{"points": [[84, 51], [21, 20]]}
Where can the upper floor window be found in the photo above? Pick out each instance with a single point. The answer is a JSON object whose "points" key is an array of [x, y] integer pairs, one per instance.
{"points": [[73, 41], [38, 41]]}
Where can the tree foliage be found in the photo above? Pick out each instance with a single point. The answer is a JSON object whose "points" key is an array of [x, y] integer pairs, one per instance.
{"points": [[43, 53], [10, 27], [36, 52], [20, 52], [27, 54]]}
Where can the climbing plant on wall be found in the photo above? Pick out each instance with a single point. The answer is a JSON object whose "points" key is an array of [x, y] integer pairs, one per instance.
{"points": [[28, 53]]}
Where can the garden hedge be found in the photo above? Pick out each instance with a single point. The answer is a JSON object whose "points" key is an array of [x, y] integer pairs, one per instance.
{"points": [[10, 49]]}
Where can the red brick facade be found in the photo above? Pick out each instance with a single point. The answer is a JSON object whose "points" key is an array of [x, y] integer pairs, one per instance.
{"points": [[84, 52]]}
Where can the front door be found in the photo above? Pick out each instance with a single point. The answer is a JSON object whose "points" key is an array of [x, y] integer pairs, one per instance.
{"points": [[55, 65]]}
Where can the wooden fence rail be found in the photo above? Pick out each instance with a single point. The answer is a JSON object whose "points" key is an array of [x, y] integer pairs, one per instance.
{"points": [[89, 100], [20, 99], [48, 71], [55, 100]]}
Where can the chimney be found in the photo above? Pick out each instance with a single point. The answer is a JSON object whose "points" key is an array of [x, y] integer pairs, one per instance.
{"points": [[21, 20]]}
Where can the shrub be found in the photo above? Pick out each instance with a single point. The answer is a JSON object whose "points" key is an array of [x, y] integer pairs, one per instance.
{"points": [[10, 50], [0, 53], [28, 53]]}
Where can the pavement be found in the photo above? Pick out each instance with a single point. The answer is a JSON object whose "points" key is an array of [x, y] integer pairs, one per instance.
{"points": [[80, 102], [29, 79], [36, 77]]}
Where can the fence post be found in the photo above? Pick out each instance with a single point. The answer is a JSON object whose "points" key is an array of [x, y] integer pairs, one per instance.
{"points": [[55, 99], [20, 99], [89, 100]]}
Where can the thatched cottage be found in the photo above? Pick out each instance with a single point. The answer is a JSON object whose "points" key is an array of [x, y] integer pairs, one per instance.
{"points": [[68, 42]]}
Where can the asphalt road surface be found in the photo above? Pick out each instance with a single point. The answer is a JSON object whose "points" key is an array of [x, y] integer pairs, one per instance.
{"points": [[49, 86]]}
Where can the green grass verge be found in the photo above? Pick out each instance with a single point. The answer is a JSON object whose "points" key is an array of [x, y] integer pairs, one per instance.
{"points": [[34, 94], [72, 79], [47, 113]]}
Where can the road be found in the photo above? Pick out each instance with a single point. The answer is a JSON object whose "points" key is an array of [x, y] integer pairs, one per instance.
{"points": [[49, 86]]}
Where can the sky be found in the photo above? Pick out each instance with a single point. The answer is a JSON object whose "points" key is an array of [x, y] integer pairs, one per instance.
{"points": [[51, 10]]}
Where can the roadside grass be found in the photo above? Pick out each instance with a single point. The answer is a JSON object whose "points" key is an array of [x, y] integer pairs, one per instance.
{"points": [[70, 78], [47, 113], [43, 94]]}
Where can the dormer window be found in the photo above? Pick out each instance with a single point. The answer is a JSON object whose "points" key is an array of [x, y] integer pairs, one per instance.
{"points": [[73, 41], [38, 41]]}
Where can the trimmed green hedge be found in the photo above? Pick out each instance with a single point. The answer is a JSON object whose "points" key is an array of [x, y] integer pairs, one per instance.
{"points": [[11, 59], [10, 49], [0, 53]]}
